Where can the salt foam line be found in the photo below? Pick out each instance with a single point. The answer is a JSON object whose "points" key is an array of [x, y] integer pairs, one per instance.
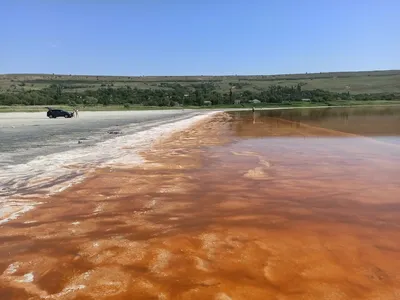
{"points": [[47, 175]]}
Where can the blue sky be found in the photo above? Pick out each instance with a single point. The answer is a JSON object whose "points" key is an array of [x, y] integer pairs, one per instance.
{"points": [[193, 37]]}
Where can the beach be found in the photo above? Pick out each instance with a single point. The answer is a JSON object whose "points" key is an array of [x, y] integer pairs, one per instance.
{"points": [[27, 135], [41, 156]]}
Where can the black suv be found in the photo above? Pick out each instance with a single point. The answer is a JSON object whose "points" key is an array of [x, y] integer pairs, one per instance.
{"points": [[54, 113]]}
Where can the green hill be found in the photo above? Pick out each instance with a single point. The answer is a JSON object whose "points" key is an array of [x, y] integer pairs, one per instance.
{"points": [[353, 82], [168, 91]]}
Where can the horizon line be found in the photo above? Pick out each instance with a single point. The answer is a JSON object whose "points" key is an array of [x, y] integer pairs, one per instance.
{"points": [[231, 75]]}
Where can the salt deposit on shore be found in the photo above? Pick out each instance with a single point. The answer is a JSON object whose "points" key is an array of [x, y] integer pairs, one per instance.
{"points": [[49, 174]]}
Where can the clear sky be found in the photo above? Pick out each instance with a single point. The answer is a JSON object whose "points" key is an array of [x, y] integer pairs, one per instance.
{"points": [[198, 37]]}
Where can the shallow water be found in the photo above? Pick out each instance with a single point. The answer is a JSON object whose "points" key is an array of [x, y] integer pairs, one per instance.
{"points": [[367, 121], [46, 171], [243, 206]]}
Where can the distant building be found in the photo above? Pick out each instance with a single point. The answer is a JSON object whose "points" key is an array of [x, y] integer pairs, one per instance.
{"points": [[237, 101], [255, 101], [208, 103], [306, 100]]}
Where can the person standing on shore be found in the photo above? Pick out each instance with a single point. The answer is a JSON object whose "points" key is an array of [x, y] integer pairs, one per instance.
{"points": [[76, 112]]}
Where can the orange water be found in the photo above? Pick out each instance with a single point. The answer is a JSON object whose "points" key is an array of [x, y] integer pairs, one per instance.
{"points": [[243, 206]]}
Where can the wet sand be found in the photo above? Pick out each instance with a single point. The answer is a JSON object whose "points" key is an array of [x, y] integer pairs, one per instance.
{"points": [[217, 212]]}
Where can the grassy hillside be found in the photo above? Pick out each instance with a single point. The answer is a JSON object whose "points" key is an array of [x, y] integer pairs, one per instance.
{"points": [[354, 82]]}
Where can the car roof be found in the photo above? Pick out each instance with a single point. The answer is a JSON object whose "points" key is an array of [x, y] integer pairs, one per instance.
{"points": [[56, 109]]}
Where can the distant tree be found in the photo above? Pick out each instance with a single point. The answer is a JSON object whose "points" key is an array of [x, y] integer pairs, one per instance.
{"points": [[247, 95], [10, 99], [91, 101], [231, 95]]}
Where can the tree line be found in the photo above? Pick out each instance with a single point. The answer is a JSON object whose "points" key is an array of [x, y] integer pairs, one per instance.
{"points": [[173, 94]]}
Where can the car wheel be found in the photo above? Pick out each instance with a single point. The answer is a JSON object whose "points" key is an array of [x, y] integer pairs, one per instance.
{"points": [[65, 116]]}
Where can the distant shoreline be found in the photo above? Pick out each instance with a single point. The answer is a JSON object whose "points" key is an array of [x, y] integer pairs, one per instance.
{"points": [[41, 108]]}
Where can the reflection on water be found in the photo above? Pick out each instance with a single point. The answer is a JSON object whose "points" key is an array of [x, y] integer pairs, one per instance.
{"points": [[275, 207], [320, 150], [367, 121]]}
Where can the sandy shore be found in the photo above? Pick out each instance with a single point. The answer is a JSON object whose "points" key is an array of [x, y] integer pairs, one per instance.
{"points": [[42, 156], [27, 135]]}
